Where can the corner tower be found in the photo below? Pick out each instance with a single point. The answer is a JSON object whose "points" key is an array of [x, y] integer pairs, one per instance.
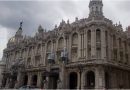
{"points": [[96, 8]]}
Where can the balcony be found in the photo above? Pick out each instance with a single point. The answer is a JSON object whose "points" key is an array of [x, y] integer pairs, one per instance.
{"points": [[89, 43], [74, 46], [98, 44]]}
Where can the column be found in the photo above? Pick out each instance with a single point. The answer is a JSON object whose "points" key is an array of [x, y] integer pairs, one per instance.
{"points": [[83, 79], [124, 52], [86, 44], [19, 80], [109, 46], [42, 54], [45, 54], [7, 83], [93, 44], [29, 78], [33, 51], [62, 75], [39, 78], [79, 46], [78, 80], [99, 78], [118, 51]]}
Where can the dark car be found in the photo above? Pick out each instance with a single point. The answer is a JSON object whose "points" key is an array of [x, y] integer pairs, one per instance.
{"points": [[28, 87]]}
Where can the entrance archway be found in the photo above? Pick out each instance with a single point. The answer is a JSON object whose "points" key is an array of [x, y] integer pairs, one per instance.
{"points": [[90, 80], [53, 80], [34, 80], [4, 81], [25, 80], [73, 80], [106, 80]]}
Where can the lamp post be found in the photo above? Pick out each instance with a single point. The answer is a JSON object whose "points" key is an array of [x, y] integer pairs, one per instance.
{"points": [[80, 67]]}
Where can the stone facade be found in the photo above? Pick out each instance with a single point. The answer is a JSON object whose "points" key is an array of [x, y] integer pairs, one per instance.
{"points": [[2, 68], [89, 53]]}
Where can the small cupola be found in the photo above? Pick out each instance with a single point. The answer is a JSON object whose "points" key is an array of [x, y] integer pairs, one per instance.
{"points": [[95, 8]]}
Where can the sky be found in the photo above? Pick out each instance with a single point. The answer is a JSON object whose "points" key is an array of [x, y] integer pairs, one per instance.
{"points": [[50, 12]]}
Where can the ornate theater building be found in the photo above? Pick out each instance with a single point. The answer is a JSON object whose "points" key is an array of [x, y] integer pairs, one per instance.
{"points": [[90, 53]]}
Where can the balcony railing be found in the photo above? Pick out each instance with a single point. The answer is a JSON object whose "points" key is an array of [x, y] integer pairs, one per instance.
{"points": [[98, 44]]}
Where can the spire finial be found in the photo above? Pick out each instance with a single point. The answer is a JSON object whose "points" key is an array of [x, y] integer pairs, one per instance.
{"points": [[21, 24]]}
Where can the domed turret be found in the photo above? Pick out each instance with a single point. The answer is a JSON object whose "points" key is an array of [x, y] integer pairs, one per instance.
{"points": [[95, 8]]}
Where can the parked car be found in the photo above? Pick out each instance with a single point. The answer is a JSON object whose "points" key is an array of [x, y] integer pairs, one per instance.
{"points": [[28, 87]]}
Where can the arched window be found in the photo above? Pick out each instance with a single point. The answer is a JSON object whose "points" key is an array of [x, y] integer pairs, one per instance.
{"points": [[49, 46], [90, 80], [29, 61], [25, 80], [120, 43], [107, 78], [61, 43], [89, 36], [37, 60], [125, 44], [75, 39], [30, 51], [73, 80], [96, 8], [98, 43], [34, 80], [114, 41], [98, 35], [39, 49]]}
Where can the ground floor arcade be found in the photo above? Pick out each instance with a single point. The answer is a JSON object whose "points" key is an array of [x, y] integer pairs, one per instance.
{"points": [[89, 77]]}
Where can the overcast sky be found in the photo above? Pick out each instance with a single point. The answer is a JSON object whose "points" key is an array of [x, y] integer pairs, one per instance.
{"points": [[51, 12]]}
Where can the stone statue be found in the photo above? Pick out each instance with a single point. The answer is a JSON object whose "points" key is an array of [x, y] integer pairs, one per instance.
{"points": [[45, 86], [59, 84], [21, 24]]}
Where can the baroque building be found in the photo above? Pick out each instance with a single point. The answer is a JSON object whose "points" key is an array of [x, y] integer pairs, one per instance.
{"points": [[90, 53]]}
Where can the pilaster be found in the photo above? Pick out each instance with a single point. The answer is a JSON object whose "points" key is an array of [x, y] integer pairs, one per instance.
{"points": [[93, 44], [103, 45], [39, 79], [79, 46], [99, 78], [29, 78]]}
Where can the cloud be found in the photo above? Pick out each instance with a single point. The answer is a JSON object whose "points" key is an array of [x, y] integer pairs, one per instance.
{"points": [[51, 12], [4, 35]]}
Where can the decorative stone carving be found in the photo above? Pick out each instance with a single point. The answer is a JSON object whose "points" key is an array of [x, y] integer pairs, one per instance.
{"points": [[59, 84], [45, 86]]}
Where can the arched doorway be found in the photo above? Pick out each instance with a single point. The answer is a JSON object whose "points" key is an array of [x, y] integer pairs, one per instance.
{"points": [[107, 80], [25, 80], [73, 80], [4, 81], [90, 80], [34, 80], [53, 80]]}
